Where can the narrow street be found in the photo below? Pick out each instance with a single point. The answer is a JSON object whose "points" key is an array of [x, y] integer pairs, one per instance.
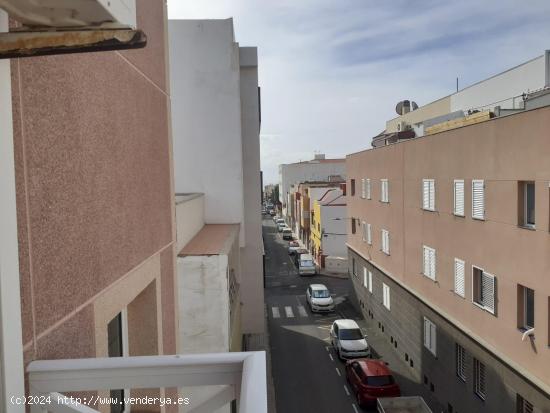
{"points": [[307, 374]]}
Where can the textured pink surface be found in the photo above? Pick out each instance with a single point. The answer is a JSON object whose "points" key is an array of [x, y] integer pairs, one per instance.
{"points": [[93, 181], [151, 60]]}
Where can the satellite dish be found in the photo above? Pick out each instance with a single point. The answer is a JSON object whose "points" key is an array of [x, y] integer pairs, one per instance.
{"points": [[405, 106]]}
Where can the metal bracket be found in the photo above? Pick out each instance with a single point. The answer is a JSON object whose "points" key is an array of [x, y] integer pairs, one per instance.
{"points": [[41, 43]]}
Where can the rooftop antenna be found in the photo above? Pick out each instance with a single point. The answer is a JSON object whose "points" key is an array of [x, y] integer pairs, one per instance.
{"points": [[457, 83]]}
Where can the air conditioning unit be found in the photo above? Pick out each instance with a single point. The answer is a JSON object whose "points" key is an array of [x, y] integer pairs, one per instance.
{"points": [[72, 13]]}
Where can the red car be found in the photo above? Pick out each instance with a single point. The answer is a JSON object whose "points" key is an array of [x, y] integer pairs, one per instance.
{"points": [[369, 380]]}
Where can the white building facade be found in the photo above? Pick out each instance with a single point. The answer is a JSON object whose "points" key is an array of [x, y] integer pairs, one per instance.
{"points": [[216, 125]]}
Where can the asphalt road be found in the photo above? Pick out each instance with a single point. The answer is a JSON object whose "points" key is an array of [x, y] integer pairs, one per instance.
{"points": [[307, 374]]}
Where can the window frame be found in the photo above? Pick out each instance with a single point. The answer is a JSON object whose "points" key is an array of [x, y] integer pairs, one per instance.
{"points": [[368, 188], [481, 304], [385, 248], [480, 379], [431, 346], [370, 281], [352, 186], [369, 234], [460, 362], [522, 308], [363, 189], [365, 279], [525, 223]]}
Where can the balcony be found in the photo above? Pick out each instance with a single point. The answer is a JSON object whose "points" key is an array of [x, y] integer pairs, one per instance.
{"points": [[241, 377]]}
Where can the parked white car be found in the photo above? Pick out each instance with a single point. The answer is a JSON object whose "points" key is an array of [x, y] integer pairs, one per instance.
{"points": [[347, 339], [319, 299], [305, 264], [293, 246]]}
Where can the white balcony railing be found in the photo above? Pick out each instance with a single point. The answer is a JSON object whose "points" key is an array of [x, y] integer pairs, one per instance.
{"points": [[242, 377]]}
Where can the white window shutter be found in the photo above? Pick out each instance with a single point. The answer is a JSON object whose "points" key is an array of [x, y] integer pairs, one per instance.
{"points": [[384, 190], [365, 280], [426, 333], [364, 231], [425, 260], [367, 182], [369, 234], [488, 288], [432, 264], [370, 281], [459, 277], [425, 194], [478, 199], [433, 338], [459, 197], [363, 189]]}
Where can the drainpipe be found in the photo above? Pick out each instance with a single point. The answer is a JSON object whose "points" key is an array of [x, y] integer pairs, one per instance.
{"points": [[11, 347]]}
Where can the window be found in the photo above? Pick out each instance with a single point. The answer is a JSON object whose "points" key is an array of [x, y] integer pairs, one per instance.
{"points": [[526, 307], [364, 231], [428, 194], [478, 199], [367, 188], [353, 269], [460, 353], [363, 188], [526, 204], [369, 234], [386, 242], [430, 336], [117, 339], [386, 295], [353, 225], [460, 268], [483, 289], [365, 279], [459, 197], [523, 406], [384, 190], [352, 185], [428, 262], [370, 281], [479, 379]]}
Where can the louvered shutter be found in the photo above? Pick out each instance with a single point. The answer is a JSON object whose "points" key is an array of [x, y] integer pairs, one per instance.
{"points": [[478, 199], [488, 291], [365, 281], [459, 277], [459, 197], [364, 231], [370, 281], [432, 264], [367, 182], [369, 234], [429, 263], [432, 195], [425, 194], [363, 189], [433, 338]]}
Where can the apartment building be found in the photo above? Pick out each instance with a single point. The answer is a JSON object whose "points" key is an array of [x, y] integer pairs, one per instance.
{"points": [[448, 244], [87, 161], [216, 126], [318, 169]]}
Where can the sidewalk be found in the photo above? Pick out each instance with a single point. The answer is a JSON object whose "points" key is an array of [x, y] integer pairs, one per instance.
{"points": [[324, 272]]}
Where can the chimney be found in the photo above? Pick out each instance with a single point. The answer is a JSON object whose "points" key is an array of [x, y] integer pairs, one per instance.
{"points": [[319, 156]]}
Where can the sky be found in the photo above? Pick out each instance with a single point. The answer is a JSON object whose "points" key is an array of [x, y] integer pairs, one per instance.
{"points": [[332, 71]]}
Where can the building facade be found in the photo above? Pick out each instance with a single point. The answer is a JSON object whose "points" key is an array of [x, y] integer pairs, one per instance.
{"points": [[448, 240], [328, 226], [216, 125], [94, 200], [318, 169]]}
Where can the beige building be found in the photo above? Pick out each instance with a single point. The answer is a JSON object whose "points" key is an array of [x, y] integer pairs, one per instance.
{"points": [[448, 246]]}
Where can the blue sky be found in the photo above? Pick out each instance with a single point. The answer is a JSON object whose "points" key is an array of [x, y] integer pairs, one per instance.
{"points": [[332, 72]]}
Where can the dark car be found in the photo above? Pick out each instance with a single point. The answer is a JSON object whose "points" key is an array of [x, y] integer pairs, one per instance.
{"points": [[370, 380]]}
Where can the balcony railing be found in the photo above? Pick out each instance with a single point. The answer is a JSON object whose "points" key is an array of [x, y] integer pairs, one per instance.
{"points": [[242, 377]]}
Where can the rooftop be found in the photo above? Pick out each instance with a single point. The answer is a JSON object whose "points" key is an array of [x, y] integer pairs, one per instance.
{"points": [[212, 239]]}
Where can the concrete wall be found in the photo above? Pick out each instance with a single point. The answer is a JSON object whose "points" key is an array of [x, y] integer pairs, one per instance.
{"points": [[94, 189], [252, 252], [206, 108], [501, 88], [501, 151], [334, 226], [189, 218]]}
